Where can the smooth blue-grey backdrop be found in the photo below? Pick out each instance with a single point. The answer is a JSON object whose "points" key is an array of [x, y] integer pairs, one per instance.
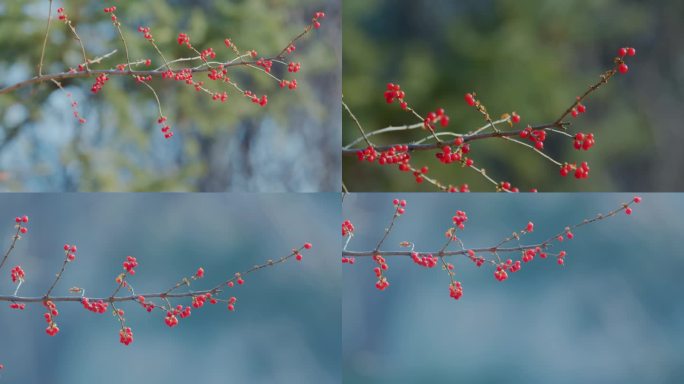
{"points": [[614, 314], [287, 325]]}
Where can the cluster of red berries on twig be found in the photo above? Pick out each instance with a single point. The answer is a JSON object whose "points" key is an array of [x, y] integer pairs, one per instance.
{"points": [[70, 251], [130, 264], [52, 312], [198, 298], [491, 255], [21, 223], [100, 81], [17, 274], [622, 52], [454, 147], [316, 19], [174, 69], [97, 306]]}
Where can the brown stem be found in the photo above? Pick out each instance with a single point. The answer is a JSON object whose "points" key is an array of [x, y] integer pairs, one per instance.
{"points": [[47, 33], [163, 295], [15, 238], [604, 80], [493, 249], [109, 72], [466, 139], [58, 277], [358, 125]]}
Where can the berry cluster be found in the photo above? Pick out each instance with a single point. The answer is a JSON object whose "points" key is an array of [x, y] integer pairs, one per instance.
{"points": [[427, 261], [470, 99], [433, 117], [583, 142], [17, 274], [70, 252], [61, 15], [172, 69], [101, 305], [455, 290], [581, 172], [298, 255], [622, 52], [198, 301], [184, 39], [21, 223], [52, 312], [348, 232], [100, 81], [382, 282], [148, 306], [231, 303], [399, 206], [111, 10], [448, 150], [393, 93], [294, 67], [147, 34], [97, 306], [347, 228], [316, 19], [502, 268], [126, 335], [266, 64], [130, 264], [578, 109], [536, 136]]}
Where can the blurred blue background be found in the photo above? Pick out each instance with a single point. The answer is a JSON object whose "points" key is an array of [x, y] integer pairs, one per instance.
{"points": [[613, 315], [286, 328]]}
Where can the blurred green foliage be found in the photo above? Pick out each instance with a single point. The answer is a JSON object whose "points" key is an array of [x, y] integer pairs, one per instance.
{"points": [[292, 144], [532, 57]]}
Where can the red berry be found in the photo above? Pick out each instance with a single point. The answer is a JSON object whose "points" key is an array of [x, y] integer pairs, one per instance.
{"points": [[623, 68], [530, 227], [470, 99]]}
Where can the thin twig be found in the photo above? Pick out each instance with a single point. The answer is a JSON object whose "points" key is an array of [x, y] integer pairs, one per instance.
{"points": [[358, 124], [45, 39], [493, 249], [466, 138], [57, 277], [112, 298], [13, 244]]}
